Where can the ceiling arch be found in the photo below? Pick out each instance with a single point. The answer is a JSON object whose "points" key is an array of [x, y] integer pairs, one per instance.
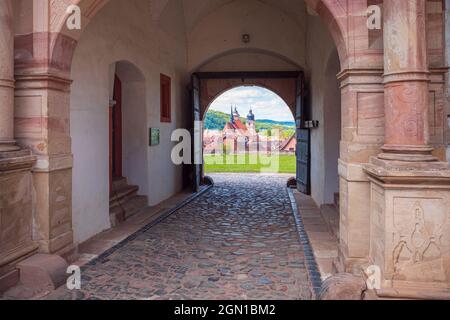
{"points": [[197, 10], [333, 13], [292, 65]]}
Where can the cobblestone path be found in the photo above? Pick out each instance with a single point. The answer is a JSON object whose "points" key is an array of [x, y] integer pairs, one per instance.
{"points": [[237, 241]]}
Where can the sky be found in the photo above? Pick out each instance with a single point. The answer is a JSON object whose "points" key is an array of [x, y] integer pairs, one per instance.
{"points": [[265, 104]]}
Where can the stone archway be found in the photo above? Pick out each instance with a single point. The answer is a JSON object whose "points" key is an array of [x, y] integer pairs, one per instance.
{"points": [[47, 68]]}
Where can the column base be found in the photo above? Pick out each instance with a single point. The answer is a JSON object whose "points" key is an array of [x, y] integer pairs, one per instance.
{"points": [[16, 218], [8, 146], [43, 272], [22, 155], [354, 225], [345, 264], [9, 280], [410, 228], [407, 153], [53, 210], [407, 290]]}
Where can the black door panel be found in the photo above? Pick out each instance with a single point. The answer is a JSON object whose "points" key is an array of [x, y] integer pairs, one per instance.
{"points": [[303, 141]]}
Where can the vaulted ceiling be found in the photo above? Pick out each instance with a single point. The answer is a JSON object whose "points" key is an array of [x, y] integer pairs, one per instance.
{"points": [[195, 11]]}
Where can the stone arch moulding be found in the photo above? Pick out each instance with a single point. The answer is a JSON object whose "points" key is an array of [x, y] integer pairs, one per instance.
{"points": [[205, 62], [334, 14]]}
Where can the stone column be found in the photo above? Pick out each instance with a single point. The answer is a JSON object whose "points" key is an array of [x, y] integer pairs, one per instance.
{"points": [[16, 240], [447, 64], [6, 77], [409, 188], [406, 82], [362, 138]]}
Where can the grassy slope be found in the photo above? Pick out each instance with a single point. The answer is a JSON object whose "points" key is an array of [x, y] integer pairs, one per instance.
{"points": [[250, 163]]}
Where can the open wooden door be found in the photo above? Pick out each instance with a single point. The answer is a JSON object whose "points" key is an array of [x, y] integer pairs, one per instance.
{"points": [[197, 148], [303, 141]]}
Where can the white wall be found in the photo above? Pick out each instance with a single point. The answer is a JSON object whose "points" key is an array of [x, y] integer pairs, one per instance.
{"points": [[122, 31], [135, 164], [270, 29], [249, 61], [324, 96], [332, 127]]}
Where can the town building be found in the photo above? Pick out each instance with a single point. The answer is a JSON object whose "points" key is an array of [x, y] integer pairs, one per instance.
{"points": [[238, 136]]}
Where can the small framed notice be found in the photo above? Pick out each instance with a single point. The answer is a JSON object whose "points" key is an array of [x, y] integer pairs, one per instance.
{"points": [[154, 137]]}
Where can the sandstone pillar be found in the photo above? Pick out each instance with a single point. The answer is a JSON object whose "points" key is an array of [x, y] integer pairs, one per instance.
{"points": [[406, 82], [409, 188], [6, 77], [362, 138], [42, 125], [16, 241], [447, 77]]}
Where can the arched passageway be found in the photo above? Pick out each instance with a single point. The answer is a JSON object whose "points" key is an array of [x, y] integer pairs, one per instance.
{"points": [[170, 39], [260, 55], [88, 58]]}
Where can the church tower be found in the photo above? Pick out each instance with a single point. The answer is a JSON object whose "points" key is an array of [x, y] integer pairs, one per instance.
{"points": [[251, 122]]}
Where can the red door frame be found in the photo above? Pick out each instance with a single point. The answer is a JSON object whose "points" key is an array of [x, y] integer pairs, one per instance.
{"points": [[115, 132]]}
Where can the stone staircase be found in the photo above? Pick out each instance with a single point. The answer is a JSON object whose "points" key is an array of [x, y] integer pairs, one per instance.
{"points": [[124, 201]]}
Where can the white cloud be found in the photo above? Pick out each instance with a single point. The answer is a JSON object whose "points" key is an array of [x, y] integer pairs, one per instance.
{"points": [[265, 103]]}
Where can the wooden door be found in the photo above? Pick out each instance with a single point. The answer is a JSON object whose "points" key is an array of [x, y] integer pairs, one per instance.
{"points": [[303, 141], [115, 128], [197, 149]]}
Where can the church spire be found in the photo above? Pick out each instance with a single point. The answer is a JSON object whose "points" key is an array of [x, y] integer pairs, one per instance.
{"points": [[231, 115]]}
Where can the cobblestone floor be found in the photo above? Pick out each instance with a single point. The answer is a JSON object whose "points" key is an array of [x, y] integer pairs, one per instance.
{"points": [[238, 241]]}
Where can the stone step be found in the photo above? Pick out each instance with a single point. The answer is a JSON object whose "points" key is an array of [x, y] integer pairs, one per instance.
{"points": [[119, 196], [119, 183], [125, 210]]}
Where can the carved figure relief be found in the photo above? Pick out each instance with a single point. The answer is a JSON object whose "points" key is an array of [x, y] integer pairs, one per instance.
{"points": [[418, 249]]}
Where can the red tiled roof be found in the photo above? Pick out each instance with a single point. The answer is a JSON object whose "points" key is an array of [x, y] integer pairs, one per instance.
{"points": [[237, 125]]}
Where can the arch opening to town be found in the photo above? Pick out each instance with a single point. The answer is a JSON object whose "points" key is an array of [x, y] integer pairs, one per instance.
{"points": [[249, 129]]}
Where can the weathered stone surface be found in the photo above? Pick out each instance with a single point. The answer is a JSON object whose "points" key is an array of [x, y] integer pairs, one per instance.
{"points": [[9, 280], [43, 272], [343, 286], [16, 240], [409, 229], [7, 77]]}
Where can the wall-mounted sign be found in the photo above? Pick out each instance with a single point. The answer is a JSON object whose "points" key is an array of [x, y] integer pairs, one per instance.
{"points": [[312, 124], [153, 137]]}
